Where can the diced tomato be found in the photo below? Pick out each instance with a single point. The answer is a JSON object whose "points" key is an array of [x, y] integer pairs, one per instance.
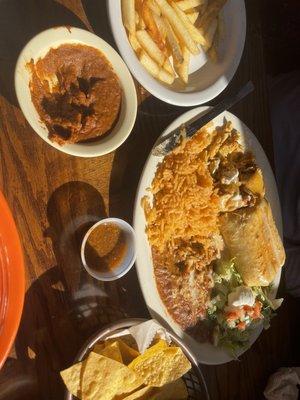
{"points": [[241, 313], [257, 310], [234, 315], [231, 316], [249, 311], [241, 325]]}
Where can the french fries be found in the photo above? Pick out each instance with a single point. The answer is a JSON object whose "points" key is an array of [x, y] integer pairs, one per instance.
{"points": [[137, 18], [173, 43], [182, 69], [141, 24], [154, 69], [168, 67], [187, 4], [153, 7], [160, 25], [128, 13], [164, 76], [138, 6], [192, 15], [193, 31], [151, 26], [148, 44], [166, 33], [211, 12], [149, 64], [134, 42], [177, 25]]}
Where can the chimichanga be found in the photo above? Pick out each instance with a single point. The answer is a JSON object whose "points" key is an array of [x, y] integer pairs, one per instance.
{"points": [[252, 238]]}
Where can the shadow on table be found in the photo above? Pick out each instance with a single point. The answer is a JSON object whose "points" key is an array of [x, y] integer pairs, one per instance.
{"points": [[19, 22], [65, 306], [17, 384]]}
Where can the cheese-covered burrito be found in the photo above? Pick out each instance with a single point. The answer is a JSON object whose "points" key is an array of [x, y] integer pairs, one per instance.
{"points": [[253, 240]]}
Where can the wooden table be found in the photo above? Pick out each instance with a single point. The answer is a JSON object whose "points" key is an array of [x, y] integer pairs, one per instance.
{"points": [[55, 197]]}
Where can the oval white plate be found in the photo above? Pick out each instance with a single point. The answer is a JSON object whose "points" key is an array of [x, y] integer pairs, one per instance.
{"points": [[206, 79], [204, 352], [54, 37]]}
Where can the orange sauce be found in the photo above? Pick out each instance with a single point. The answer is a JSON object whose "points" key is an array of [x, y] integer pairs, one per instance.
{"points": [[105, 248]]}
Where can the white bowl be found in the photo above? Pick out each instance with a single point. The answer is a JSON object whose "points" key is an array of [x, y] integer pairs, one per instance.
{"points": [[129, 259], [206, 79], [54, 37]]}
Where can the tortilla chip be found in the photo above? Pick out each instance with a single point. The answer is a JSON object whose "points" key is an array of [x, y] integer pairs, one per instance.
{"points": [[128, 353], [157, 367], [111, 351], [72, 378], [142, 394], [173, 391], [104, 378], [98, 348], [161, 344]]}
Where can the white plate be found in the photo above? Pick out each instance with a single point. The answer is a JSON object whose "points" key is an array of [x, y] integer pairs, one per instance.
{"points": [[54, 37], [206, 79], [204, 352]]}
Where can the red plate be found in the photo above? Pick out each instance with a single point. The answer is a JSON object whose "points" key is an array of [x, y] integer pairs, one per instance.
{"points": [[12, 280]]}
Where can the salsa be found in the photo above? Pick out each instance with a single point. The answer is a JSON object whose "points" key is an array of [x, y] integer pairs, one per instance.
{"points": [[105, 248], [75, 92]]}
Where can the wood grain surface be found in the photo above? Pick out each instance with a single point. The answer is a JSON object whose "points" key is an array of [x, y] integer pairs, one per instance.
{"points": [[55, 198]]}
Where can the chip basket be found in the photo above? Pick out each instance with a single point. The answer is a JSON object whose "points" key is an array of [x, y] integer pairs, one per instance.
{"points": [[194, 379]]}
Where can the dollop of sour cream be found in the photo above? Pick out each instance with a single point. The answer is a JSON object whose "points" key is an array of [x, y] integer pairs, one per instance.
{"points": [[241, 296]]}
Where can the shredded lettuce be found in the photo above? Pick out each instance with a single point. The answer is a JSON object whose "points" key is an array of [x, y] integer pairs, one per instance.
{"points": [[226, 271], [264, 294], [225, 268], [233, 340], [226, 279], [269, 304]]}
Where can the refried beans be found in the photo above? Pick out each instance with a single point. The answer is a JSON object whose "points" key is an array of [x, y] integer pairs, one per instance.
{"points": [[76, 93]]}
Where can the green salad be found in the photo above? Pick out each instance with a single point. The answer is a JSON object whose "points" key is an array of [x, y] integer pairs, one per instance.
{"points": [[236, 310]]}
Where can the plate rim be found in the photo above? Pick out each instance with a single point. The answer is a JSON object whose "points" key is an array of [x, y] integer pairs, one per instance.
{"points": [[16, 283]]}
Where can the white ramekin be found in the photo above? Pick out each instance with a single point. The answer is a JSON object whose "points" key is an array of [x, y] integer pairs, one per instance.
{"points": [[129, 258]]}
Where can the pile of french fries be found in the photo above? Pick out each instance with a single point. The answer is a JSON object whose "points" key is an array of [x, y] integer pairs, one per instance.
{"points": [[165, 33]]}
